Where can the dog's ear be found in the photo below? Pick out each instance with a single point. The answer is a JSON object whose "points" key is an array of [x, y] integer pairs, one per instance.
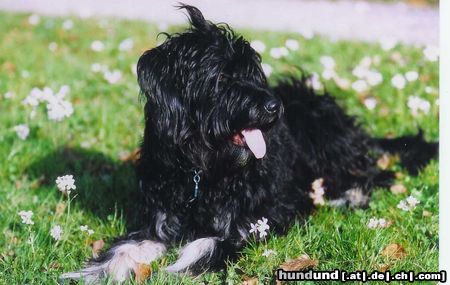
{"points": [[164, 110]]}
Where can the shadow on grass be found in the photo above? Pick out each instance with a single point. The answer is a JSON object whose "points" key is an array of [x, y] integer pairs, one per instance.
{"points": [[103, 184]]}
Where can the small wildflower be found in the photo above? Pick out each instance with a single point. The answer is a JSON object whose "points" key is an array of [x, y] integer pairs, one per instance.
{"points": [[84, 228], [52, 46], [267, 69], [360, 86], [26, 217], [431, 53], [97, 46], [374, 78], [97, 67], [34, 19], [8, 95], [373, 223], [67, 24], [112, 76], [292, 44], [398, 81], [416, 104], [65, 183], [260, 227], [258, 46], [328, 74], [22, 131], [126, 45], [278, 52], [429, 90], [314, 81], [269, 252], [328, 62], [90, 232], [382, 223], [253, 228], [56, 232], [370, 103], [411, 76], [408, 204]]}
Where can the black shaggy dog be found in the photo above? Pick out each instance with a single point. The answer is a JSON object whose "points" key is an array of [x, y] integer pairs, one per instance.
{"points": [[222, 149]]}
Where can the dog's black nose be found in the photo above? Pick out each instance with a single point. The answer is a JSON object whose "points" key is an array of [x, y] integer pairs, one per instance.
{"points": [[272, 106]]}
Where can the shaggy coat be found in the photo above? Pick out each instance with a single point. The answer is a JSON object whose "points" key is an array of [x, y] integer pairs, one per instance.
{"points": [[222, 149]]}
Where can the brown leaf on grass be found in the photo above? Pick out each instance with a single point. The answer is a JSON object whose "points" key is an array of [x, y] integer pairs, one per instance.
{"points": [[97, 247], [55, 265], [398, 189], [132, 157], [393, 251], [60, 208], [142, 272], [384, 267], [384, 161], [250, 281], [300, 263]]}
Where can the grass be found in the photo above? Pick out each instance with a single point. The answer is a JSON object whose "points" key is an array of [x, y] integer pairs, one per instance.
{"points": [[108, 121]]}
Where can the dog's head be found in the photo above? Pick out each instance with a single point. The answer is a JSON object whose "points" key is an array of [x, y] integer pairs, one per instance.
{"points": [[207, 96]]}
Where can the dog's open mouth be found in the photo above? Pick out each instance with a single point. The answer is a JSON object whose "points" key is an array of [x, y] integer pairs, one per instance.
{"points": [[253, 139]]}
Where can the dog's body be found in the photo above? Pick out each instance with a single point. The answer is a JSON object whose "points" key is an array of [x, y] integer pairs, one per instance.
{"points": [[219, 153]]}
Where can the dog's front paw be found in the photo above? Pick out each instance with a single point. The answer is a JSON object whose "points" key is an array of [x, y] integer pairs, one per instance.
{"points": [[119, 262]]}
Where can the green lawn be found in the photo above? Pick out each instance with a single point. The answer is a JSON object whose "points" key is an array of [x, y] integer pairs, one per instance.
{"points": [[107, 123]]}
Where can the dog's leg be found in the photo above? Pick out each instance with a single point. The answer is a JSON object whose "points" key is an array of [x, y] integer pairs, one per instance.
{"points": [[201, 255], [119, 261]]}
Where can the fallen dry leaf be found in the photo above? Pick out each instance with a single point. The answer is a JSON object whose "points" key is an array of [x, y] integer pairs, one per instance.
{"points": [[300, 263], [55, 265], [250, 281], [384, 161], [398, 189], [142, 272], [132, 157], [394, 251], [97, 247], [384, 267]]}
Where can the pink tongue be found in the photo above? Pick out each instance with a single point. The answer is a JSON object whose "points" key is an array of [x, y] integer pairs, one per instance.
{"points": [[255, 142]]}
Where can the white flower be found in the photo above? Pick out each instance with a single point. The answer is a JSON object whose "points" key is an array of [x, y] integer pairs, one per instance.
{"points": [[65, 183], [26, 217], [112, 76], [314, 81], [382, 223], [253, 228], [431, 53], [328, 62], [416, 104], [411, 75], [387, 43], [34, 19], [403, 205], [408, 204], [429, 90], [412, 201], [374, 78], [126, 45], [292, 44], [360, 72], [56, 232], [370, 103], [67, 24], [366, 61], [8, 95], [328, 74], [278, 52], [97, 67], [25, 73], [22, 131], [84, 228], [163, 26], [269, 252], [360, 86], [258, 46], [398, 81], [97, 46], [267, 69], [373, 223], [52, 46], [342, 82], [90, 232], [59, 109]]}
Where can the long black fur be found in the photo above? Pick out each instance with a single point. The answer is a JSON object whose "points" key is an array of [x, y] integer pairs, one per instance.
{"points": [[204, 86]]}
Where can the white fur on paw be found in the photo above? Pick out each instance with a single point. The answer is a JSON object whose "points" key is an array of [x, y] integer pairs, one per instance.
{"points": [[193, 252], [125, 258]]}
